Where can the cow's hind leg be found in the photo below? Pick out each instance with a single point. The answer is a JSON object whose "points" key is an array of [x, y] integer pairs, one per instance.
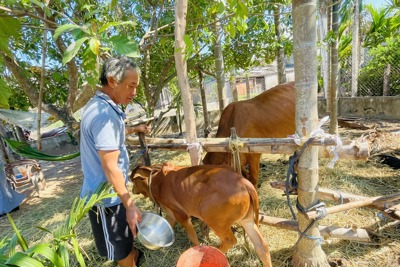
{"points": [[225, 234], [261, 247], [254, 168], [186, 222]]}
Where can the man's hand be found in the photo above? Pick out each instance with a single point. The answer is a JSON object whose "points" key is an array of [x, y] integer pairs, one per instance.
{"points": [[133, 216], [141, 128]]}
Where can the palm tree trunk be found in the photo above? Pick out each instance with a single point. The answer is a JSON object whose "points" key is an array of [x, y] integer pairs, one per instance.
{"points": [[355, 50], [323, 30], [333, 92], [307, 251]]}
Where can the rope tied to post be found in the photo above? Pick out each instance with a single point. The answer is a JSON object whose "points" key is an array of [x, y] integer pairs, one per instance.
{"points": [[320, 208], [234, 146], [291, 176]]}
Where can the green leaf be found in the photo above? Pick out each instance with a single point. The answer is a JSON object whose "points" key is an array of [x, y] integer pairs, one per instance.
{"points": [[63, 251], [4, 46], [113, 4], [9, 27], [94, 45], [3, 260], [65, 28], [189, 45], [36, 3], [242, 9], [21, 239], [46, 251], [221, 7], [124, 46], [72, 50], [5, 93], [22, 260], [116, 23], [78, 253], [231, 29], [13, 245]]}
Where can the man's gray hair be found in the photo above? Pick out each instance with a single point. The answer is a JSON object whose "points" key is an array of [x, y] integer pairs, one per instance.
{"points": [[116, 67]]}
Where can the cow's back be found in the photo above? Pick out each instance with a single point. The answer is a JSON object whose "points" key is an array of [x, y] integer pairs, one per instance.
{"points": [[193, 186], [268, 115]]}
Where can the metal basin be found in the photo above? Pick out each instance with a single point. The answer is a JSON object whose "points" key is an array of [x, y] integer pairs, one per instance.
{"points": [[154, 231]]}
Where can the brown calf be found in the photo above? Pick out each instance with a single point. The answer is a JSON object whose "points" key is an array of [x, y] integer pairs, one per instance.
{"points": [[215, 194]]}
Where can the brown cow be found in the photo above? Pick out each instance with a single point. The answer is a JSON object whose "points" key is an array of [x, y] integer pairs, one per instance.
{"points": [[215, 194], [268, 115]]}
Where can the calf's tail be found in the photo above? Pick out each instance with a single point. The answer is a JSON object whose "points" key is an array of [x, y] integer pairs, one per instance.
{"points": [[254, 200]]}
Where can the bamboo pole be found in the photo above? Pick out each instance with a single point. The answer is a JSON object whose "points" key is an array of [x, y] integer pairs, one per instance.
{"points": [[393, 211], [390, 210], [355, 204], [353, 234]]}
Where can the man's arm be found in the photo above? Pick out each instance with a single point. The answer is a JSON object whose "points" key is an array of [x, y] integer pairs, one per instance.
{"points": [[109, 162], [141, 128]]}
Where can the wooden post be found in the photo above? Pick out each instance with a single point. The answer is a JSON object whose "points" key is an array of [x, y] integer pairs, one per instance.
{"points": [[145, 149]]}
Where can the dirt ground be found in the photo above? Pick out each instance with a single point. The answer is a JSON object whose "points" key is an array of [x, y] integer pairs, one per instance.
{"points": [[65, 178]]}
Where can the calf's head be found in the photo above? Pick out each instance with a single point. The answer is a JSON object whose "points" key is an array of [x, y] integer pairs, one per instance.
{"points": [[140, 178]]}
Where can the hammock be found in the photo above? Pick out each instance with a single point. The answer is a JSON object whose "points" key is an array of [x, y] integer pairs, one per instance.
{"points": [[26, 150]]}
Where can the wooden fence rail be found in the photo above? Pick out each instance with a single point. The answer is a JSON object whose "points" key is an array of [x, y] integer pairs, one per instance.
{"points": [[354, 150]]}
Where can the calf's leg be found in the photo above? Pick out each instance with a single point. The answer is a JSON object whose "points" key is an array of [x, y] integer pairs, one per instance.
{"points": [[261, 247], [186, 222], [225, 234], [170, 217]]}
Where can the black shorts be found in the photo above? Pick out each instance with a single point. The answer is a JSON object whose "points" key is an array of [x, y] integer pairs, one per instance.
{"points": [[111, 232]]}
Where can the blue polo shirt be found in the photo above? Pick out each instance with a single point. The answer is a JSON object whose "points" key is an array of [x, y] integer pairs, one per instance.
{"points": [[102, 128]]}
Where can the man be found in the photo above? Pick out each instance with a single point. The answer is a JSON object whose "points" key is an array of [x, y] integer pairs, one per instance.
{"points": [[104, 158]]}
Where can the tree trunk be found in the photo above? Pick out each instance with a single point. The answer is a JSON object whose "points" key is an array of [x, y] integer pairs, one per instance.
{"points": [[146, 82], [329, 60], [323, 29], [333, 92], [41, 86], [219, 65], [232, 85], [355, 50], [207, 127], [386, 74], [308, 251], [248, 93], [281, 51], [31, 92], [181, 69]]}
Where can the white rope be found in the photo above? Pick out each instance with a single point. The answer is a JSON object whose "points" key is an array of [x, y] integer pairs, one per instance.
{"points": [[320, 133]]}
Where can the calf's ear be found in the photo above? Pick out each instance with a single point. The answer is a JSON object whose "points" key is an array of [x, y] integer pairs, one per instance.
{"points": [[142, 172]]}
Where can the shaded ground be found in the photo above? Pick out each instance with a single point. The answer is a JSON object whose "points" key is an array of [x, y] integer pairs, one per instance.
{"points": [[368, 178]]}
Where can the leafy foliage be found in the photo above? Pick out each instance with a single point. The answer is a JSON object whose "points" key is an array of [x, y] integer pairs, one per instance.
{"points": [[56, 252], [372, 76]]}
